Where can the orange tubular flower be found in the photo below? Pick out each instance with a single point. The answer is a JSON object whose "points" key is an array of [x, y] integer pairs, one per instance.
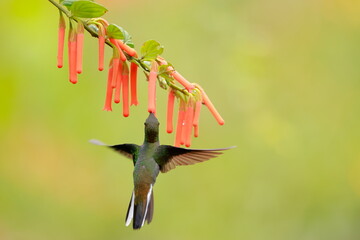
{"points": [[189, 124], [127, 49], [116, 43], [211, 107], [196, 118], [118, 83], [109, 91], [152, 88], [122, 55], [179, 127], [116, 63], [101, 40], [79, 47], [116, 60], [185, 125], [213, 110], [61, 37], [170, 112], [197, 113], [125, 90], [133, 77], [178, 77], [196, 131], [72, 55]]}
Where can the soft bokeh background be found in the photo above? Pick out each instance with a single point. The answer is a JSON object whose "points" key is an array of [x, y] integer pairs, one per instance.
{"points": [[284, 74]]}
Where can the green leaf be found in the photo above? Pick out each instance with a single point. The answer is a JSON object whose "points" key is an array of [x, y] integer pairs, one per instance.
{"points": [[87, 9], [68, 3], [117, 32], [114, 31], [151, 49]]}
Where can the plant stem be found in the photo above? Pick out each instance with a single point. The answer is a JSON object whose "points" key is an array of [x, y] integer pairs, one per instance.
{"points": [[61, 7]]}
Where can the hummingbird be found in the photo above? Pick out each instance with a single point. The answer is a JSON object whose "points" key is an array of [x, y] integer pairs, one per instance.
{"points": [[149, 159]]}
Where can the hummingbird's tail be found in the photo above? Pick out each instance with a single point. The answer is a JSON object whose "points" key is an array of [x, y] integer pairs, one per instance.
{"points": [[140, 209]]}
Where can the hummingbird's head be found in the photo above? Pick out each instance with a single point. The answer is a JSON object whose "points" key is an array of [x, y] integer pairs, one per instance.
{"points": [[151, 128]]}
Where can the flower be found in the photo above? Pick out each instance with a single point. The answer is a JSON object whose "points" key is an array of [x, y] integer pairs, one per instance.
{"points": [[191, 99], [196, 118], [79, 46], [125, 90], [152, 88], [178, 77], [72, 54], [170, 112], [189, 117], [101, 42], [126, 48], [116, 64], [133, 83], [109, 90], [118, 82], [61, 37], [180, 123], [210, 106]]}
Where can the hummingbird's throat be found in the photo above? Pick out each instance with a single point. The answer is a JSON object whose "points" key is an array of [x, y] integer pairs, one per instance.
{"points": [[151, 129], [151, 135]]}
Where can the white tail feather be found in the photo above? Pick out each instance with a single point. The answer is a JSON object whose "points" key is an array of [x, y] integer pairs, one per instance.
{"points": [[131, 211], [147, 204]]}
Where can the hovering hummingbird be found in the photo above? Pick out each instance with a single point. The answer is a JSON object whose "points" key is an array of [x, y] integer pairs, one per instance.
{"points": [[149, 159]]}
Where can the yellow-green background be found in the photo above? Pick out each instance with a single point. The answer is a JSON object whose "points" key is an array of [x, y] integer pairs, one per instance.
{"points": [[285, 75]]}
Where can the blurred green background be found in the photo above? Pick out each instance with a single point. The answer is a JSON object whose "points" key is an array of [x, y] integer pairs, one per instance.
{"points": [[285, 76]]}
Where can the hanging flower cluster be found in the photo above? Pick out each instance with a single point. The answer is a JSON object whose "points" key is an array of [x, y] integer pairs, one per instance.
{"points": [[124, 63], [191, 97]]}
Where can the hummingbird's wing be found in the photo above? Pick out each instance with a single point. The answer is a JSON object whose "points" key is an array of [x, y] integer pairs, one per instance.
{"points": [[128, 150], [168, 157]]}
